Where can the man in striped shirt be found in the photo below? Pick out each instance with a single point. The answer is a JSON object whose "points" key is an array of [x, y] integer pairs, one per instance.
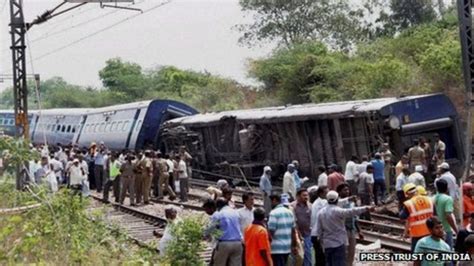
{"points": [[281, 225]]}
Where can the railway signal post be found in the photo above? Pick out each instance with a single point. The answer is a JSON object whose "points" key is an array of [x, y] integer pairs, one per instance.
{"points": [[18, 29], [466, 35]]}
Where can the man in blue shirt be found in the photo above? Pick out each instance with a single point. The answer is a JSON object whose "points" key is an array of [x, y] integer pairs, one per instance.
{"points": [[379, 177], [228, 250]]}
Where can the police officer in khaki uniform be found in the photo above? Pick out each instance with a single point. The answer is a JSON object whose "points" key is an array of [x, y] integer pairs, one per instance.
{"points": [[146, 167], [139, 178]]}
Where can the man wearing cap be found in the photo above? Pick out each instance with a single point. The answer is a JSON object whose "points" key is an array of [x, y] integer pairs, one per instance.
{"points": [[266, 188], [289, 184], [281, 224], [334, 178], [127, 178], [417, 178], [146, 167], [453, 188], [416, 210], [331, 229], [379, 177]]}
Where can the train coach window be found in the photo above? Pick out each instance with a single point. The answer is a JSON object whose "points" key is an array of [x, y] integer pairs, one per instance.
{"points": [[1, 121], [11, 122], [108, 127], [119, 125], [63, 128], [73, 129], [96, 127], [125, 125], [58, 127], [68, 130], [113, 127], [102, 127]]}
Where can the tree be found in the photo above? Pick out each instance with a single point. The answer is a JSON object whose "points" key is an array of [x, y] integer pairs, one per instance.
{"points": [[404, 14], [291, 22], [124, 79]]}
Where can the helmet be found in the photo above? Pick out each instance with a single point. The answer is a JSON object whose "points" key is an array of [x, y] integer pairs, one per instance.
{"points": [[421, 190], [409, 188]]}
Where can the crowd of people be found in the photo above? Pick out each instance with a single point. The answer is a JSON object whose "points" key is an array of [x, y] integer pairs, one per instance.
{"points": [[136, 175], [312, 221]]}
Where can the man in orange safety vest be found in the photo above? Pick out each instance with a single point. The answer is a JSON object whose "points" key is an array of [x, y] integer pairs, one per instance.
{"points": [[416, 210]]}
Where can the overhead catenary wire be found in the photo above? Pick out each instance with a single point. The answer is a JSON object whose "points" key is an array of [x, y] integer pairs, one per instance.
{"points": [[48, 35], [100, 31]]}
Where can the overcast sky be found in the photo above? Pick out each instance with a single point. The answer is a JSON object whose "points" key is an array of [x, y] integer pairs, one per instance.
{"points": [[189, 34]]}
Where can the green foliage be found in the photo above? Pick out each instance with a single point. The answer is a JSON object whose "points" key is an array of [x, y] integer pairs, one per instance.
{"points": [[63, 232], [419, 60], [15, 151], [126, 82], [185, 247]]}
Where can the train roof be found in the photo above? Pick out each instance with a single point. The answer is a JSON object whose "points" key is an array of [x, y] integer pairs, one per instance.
{"points": [[296, 112]]}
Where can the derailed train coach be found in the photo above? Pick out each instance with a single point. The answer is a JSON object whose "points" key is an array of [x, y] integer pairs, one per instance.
{"points": [[240, 142]]}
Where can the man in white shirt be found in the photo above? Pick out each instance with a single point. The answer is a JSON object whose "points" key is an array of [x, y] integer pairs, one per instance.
{"points": [[57, 168], [183, 178], [76, 177], [323, 177], [402, 180], [417, 178], [246, 212], [289, 186], [171, 214], [170, 172], [350, 176]]}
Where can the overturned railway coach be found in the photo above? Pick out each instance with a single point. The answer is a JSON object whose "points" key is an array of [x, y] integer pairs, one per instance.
{"points": [[241, 142]]}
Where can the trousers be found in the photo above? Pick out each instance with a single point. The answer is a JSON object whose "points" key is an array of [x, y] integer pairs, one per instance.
{"points": [[336, 256], [128, 185], [163, 182], [99, 177], [183, 185], [138, 188], [351, 237], [146, 187], [115, 184], [318, 252], [228, 253]]}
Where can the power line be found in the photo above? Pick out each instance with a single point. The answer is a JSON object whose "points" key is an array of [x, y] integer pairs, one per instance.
{"points": [[100, 31], [47, 35]]}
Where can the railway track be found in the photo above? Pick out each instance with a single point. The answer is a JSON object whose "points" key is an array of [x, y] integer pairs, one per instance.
{"points": [[143, 228], [389, 230]]}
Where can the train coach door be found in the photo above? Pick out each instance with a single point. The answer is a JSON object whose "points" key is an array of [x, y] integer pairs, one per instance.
{"points": [[78, 130]]}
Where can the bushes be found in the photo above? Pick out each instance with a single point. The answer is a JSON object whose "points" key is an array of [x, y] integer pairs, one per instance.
{"points": [[63, 232]]}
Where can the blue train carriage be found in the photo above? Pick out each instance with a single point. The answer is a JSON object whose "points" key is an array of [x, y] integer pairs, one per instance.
{"points": [[314, 134], [129, 126], [55, 126], [7, 122]]}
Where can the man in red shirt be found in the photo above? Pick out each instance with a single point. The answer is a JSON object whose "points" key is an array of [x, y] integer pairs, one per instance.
{"points": [[257, 243], [335, 178]]}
